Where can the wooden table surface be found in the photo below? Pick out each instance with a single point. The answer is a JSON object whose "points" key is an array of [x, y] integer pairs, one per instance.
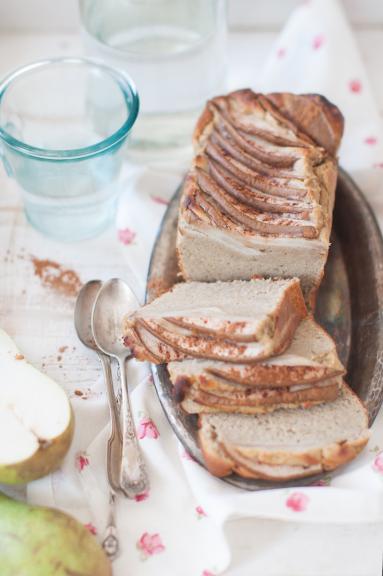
{"points": [[41, 319]]}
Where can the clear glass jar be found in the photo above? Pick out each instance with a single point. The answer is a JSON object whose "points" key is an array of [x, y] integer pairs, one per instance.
{"points": [[175, 50], [63, 124]]}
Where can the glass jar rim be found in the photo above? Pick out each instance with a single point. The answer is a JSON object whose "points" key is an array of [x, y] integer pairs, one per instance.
{"points": [[126, 86]]}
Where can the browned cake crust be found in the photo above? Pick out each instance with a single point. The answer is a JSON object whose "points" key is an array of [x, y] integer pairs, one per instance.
{"points": [[265, 169], [313, 114]]}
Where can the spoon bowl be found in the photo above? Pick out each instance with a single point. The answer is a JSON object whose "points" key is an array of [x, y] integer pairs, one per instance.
{"points": [[83, 313], [115, 300]]}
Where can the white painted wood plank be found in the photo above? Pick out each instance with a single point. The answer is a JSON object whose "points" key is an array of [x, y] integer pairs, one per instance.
{"points": [[39, 15], [62, 15]]}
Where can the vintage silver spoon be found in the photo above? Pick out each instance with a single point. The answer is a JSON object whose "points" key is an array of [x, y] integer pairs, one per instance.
{"points": [[114, 301], [83, 324], [82, 321]]}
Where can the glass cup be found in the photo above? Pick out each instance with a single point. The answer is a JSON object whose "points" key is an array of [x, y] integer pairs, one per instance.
{"points": [[174, 49], [63, 124]]}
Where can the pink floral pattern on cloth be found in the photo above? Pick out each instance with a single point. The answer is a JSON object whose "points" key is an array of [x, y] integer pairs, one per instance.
{"points": [[160, 200], [318, 41], [92, 529], [150, 544], [297, 501], [207, 573], [200, 512], [377, 464], [355, 86], [142, 496], [126, 236], [371, 140], [81, 461], [281, 52], [147, 429]]}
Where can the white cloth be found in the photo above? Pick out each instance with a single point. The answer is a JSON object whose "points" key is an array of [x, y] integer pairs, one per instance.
{"points": [[181, 526]]}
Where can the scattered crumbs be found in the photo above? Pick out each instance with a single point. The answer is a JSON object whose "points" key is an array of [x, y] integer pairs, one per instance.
{"points": [[60, 365], [74, 348], [83, 394], [63, 348], [59, 358], [53, 275], [19, 357], [23, 292], [43, 365]]}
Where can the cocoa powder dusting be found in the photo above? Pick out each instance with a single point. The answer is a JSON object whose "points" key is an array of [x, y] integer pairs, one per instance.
{"points": [[53, 275], [62, 349]]}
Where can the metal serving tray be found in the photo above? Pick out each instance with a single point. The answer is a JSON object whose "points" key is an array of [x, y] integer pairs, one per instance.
{"points": [[350, 305]]}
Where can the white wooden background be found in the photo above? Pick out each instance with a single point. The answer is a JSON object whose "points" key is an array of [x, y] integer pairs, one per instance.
{"points": [[62, 15]]}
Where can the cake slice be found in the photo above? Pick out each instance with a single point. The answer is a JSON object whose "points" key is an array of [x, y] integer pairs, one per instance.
{"points": [[286, 444], [240, 321], [240, 400], [306, 373], [310, 357], [259, 197]]}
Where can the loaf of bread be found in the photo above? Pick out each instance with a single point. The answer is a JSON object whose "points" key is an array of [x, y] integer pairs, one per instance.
{"points": [[286, 444], [307, 373], [239, 321], [258, 200], [253, 233]]}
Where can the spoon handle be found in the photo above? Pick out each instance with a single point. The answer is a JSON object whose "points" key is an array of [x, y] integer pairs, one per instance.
{"points": [[133, 476], [114, 448], [110, 542]]}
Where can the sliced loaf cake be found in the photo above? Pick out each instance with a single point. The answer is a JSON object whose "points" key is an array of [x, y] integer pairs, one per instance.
{"points": [[306, 373], [260, 195], [286, 444], [240, 321]]}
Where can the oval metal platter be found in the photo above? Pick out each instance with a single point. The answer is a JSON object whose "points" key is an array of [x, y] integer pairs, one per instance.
{"points": [[350, 306]]}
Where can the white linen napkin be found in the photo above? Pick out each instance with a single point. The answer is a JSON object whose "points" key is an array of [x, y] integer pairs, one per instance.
{"points": [[179, 526]]}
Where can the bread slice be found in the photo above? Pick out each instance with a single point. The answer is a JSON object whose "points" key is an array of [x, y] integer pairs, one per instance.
{"points": [[234, 321], [305, 374], [287, 443], [240, 400], [311, 357], [260, 195]]}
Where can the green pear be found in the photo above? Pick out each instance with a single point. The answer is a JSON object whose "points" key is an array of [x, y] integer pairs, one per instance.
{"points": [[36, 418], [38, 541]]}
